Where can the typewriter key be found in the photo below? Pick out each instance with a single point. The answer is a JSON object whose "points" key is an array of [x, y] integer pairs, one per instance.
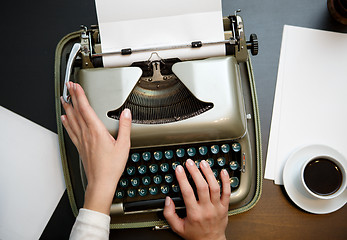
{"points": [[164, 189], [197, 163], [191, 152], [131, 192], [210, 162], [175, 188], [225, 148], [131, 170], [123, 182], [168, 178], [158, 155], [142, 192], [135, 157], [234, 182], [221, 161], [153, 168], [135, 182], [146, 156], [157, 179], [215, 149], [180, 152], [175, 164], [146, 180], [153, 190], [236, 147], [168, 154], [233, 165], [119, 194], [142, 169], [203, 150], [164, 167], [215, 173]]}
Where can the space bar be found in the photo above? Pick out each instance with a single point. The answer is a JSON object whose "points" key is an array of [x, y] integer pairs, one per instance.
{"points": [[150, 204]]}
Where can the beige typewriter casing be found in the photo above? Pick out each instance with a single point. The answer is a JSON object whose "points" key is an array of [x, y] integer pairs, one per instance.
{"points": [[226, 82]]}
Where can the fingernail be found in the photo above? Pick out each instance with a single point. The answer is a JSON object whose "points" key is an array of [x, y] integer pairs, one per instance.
{"points": [[204, 163], [225, 172], [127, 113], [74, 86], [167, 201], [62, 100], [190, 162], [63, 118], [179, 168]]}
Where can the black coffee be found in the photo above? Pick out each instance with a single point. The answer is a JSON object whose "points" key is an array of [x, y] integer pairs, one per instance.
{"points": [[322, 176]]}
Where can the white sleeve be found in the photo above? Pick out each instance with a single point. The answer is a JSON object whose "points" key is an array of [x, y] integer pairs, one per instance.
{"points": [[91, 225]]}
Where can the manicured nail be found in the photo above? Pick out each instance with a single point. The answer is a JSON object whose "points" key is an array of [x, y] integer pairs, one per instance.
{"points": [[74, 86], [63, 118], [167, 201], [190, 162], [225, 172], [127, 113], [179, 169], [204, 163], [68, 85]]}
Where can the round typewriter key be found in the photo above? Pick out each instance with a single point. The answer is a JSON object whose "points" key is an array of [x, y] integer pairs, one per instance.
{"points": [[153, 168], [221, 161], [146, 156], [225, 148], [131, 170], [210, 162], [215, 149], [203, 150], [175, 164], [168, 178], [135, 182], [119, 194], [164, 189], [164, 167], [123, 182], [233, 165], [157, 179], [197, 163], [191, 152], [142, 192], [215, 173], [142, 169], [180, 152], [158, 155], [236, 147], [131, 192], [234, 182], [175, 188], [168, 154], [135, 157], [153, 190], [146, 180]]}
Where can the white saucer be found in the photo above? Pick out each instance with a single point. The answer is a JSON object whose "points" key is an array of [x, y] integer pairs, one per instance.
{"points": [[295, 188]]}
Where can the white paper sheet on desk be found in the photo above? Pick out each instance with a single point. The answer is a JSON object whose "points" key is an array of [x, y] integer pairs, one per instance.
{"points": [[31, 177], [149, 23], [311, 95]]}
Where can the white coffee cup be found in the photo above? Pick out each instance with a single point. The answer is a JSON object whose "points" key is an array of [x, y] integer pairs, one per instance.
{"points": [[324, 177]]}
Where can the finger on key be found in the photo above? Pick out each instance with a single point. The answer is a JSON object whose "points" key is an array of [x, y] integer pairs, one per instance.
{"points": [[186, 189], [200, 183], [226, 190], [212, 182]]}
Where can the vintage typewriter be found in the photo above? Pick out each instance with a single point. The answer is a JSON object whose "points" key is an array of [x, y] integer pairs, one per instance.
{"points": [[197, 109]]}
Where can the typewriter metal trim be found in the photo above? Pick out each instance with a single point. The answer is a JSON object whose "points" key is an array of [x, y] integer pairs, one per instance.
{"points": [[241, 55]]}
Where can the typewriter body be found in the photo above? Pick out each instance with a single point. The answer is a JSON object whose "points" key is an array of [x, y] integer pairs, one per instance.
{"points": [[181, 109]]}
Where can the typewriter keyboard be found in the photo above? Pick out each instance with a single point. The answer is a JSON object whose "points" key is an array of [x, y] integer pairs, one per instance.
{"points": [[149, 175]]}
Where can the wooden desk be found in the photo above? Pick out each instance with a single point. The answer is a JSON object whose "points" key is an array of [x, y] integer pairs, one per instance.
{"points": [[33, 28]]}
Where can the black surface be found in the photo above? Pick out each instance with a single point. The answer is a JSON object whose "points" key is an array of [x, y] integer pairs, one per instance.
{"points": [[32, 29]]}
